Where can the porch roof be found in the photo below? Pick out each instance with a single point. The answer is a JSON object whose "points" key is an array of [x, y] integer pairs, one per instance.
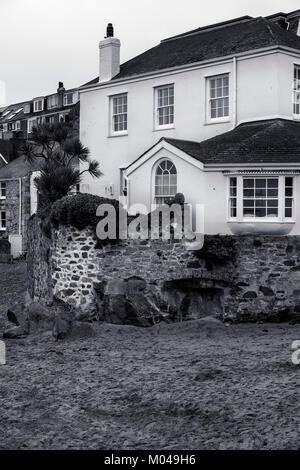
{"points": [[263, 142]]}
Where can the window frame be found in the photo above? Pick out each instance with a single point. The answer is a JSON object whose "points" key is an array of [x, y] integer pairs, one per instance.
{"points": [[3, 188], [32, 120], [281, 197], [215, 120], [162, 196], [114, 132], [295, 91], [157, 89], [27, 108], [40, 100], [66, 98], [3, 228], [49, 98]]}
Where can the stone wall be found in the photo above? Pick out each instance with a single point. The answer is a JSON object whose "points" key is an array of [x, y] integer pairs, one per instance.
{"points": [[143, 281], [11, 206]]}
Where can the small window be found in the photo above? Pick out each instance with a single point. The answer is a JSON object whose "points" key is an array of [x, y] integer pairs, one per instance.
{"points": [[31, 123], [11, 126], [232, 197], [68, 98], [165, 181], [289, 197], [52, 101], [165, 106], [2, 189], [27, 108], [296, 91], [38, 105], [218, 97], [2, 220], [18, 125], [119, 113]]}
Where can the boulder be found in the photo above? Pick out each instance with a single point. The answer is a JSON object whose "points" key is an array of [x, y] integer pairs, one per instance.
{"points": [[61, 328], [16, 332]]}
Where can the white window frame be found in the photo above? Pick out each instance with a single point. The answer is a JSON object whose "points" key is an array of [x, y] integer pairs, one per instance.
{"points": [[3, 190], [158, 106], [285, 192], [36, 105], [112, 99], [27, 108], [18, 125], [30, 124], [171, 194], [296, 91], [209, 99], [66, 95], [3, 218], [50, 100], [11, 126]]}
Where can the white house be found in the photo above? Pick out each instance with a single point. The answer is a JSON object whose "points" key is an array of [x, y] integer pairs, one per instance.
{"points": [[213, 113]]}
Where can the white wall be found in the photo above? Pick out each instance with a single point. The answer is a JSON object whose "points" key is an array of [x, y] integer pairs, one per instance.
{"points": [[264, 91]]}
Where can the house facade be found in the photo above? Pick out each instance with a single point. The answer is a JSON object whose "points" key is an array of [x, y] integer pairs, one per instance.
{"points": [[17, 120], [213, 113], [18, 194]]}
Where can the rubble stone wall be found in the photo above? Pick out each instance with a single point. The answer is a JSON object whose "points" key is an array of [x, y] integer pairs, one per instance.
{"points": [[141, 281]]}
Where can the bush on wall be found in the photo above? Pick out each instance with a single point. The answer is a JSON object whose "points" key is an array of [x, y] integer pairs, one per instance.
{"points": [[79, 211]]}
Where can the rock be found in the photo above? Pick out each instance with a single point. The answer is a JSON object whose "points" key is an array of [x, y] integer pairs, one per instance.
{"points": [[82, 330], [17, 313], [39, 316], [61, 328], [12, 317], [16, 332]]}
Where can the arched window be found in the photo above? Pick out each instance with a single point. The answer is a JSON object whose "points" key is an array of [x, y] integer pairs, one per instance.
{"points": [[165, 181]]}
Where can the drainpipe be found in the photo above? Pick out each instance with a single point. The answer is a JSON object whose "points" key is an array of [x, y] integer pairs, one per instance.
{"points": [[234, 85], [20, 206]]}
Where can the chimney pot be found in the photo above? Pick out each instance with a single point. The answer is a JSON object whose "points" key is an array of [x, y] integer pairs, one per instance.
{"points": [[110, 31]]}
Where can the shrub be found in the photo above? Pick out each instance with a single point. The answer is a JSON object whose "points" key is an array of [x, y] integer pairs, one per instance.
{"points": [[79, 211]]}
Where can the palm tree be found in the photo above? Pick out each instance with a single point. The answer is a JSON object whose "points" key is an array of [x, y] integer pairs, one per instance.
{"points": [[60, 154]]}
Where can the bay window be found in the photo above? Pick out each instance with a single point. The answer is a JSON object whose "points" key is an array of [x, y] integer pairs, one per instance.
{"points": [[261, 198]]}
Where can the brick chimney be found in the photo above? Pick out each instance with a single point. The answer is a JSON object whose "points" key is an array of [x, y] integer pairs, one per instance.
{"points": [[109, 52]]}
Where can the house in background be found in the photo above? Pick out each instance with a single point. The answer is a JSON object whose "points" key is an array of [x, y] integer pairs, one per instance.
{"points": [[18, 195], [17, 120], [213, 113], [18, 200]]}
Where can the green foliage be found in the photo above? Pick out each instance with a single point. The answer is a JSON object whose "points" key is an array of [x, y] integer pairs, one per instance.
{"points": [[218, 250]]}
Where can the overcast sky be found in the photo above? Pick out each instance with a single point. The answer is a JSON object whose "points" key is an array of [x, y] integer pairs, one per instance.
{"points": [[46, 41]]}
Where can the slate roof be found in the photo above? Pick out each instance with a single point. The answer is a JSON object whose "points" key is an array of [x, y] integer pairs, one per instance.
{"points": [[18, 168], [261, 142], [209, 42], [206, 44]]}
